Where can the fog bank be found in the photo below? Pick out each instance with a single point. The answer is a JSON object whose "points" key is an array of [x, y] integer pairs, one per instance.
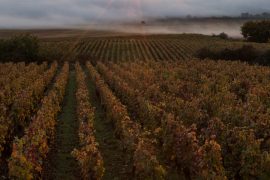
{"points": [[232, 28]]}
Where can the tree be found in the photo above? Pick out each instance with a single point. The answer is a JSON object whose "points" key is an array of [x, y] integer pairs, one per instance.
{"points": [[223, 35], [256, 31], [20, 48]]}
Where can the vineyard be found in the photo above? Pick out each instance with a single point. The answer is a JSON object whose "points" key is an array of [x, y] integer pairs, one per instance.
{"points": [[136, 108], [155, 47]]}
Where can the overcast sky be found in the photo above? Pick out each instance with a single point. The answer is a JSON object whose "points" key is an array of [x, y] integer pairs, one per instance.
{"points": [[25, 13]]}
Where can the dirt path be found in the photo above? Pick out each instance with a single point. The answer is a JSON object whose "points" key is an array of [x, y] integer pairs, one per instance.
{"points": [[117, 165], [61, 165]]}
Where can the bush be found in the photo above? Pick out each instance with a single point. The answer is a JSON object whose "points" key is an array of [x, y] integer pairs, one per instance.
{"points": [[222, 35], [264, 59], [29, 48], [256, 31], [246, 53], [205, 53], [19, 48]]}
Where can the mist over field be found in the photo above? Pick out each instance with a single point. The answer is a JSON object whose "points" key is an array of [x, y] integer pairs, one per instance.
{"points": [[232, 28]]}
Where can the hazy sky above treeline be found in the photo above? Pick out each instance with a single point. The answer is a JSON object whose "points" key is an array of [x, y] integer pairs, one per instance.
{"points": [[23, 13]]}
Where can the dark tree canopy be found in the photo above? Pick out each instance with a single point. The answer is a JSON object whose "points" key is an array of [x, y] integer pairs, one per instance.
{"points": [[28, 48], [256, 31], [19, 48]]}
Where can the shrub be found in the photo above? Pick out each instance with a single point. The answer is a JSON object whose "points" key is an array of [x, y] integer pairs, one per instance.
{"points": [[256, 31], [29, 48], [19, 48], [246, 53], [206, 53], [264, 59], [222, 35]]}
